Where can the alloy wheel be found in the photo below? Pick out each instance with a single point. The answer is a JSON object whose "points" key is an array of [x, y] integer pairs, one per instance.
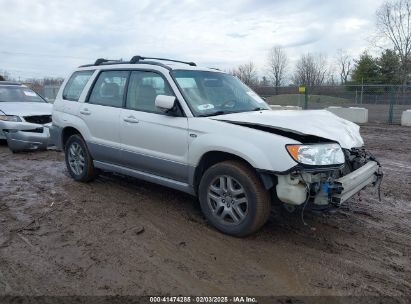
{"points": [[76, 158], [227, 200]]}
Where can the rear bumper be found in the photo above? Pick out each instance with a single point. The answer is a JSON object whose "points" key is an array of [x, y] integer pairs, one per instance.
{"points": [[56, 136], [355, 181]]}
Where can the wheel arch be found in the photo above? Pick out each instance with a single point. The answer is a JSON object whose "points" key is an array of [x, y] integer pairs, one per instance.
{"points": [[67, 132], [211, 158]]}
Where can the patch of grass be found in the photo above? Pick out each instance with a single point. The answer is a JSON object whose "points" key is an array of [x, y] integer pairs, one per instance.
{"points": [[298, 100]]}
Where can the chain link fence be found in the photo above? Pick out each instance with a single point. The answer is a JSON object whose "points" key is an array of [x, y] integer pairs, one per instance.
{"points": [[385, 103], [48, 91]]}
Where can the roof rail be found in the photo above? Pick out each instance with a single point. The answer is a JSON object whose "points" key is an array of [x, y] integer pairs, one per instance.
{"points": [[137, 58], [155, 63], [102, 60]]}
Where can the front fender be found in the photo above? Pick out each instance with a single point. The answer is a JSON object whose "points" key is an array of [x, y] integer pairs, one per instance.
{"points": [[270, 156]]}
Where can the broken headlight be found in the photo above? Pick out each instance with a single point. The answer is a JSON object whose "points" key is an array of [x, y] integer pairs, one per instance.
{"points": [[10, 118], [317, 154]]}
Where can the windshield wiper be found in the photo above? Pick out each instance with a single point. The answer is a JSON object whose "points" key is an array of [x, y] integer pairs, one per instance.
{"points": [[259, 109], [212, 114]]}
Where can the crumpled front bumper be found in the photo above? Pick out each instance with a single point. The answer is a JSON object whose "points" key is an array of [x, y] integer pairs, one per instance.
{"points": [[22, 136], [355, 181], [325, 190]]}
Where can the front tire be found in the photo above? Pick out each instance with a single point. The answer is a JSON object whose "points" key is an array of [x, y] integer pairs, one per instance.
{"points": [[78, 159], [233, 198]]}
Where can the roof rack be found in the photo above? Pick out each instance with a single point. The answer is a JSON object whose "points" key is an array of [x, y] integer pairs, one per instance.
{"points": [[155, 63], [137, 58], [101, 61]]}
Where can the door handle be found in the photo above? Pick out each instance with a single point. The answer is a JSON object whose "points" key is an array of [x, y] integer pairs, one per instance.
{"points": [[131, 119], [85, 111]]}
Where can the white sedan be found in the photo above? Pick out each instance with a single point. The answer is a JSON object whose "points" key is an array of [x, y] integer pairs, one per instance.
{"points": [[24, 117]]}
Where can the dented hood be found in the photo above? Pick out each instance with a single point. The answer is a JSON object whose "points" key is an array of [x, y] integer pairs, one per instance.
{"points": [[26, 108], [319, 123]]}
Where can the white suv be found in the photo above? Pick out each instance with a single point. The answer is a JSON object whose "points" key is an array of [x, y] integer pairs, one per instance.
{"points": [[204, 132]]}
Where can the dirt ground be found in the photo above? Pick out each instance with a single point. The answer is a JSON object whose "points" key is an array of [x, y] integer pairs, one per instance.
{"points": [[121, 236]]}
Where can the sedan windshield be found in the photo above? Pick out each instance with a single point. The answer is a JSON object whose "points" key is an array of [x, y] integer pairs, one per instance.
{"points": [[11, 93], [216, 93]]}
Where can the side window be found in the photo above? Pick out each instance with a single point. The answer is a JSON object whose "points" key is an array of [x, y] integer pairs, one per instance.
{"points": [[76, 84], [109, 88], [143, 89]]}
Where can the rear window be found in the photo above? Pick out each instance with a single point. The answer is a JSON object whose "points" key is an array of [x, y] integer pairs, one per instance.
{"points": [[76, 84], [18, 94], [109, 88]]}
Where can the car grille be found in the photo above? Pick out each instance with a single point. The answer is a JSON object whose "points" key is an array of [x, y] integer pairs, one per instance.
{"points": [[39, 119]]}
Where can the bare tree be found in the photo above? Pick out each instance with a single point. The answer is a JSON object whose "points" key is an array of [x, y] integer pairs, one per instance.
{"points": [[311, 70], [344, 63], [264, 82], [394, 25], [277, 62], [247, 73], [5, 75], [52, 81]]}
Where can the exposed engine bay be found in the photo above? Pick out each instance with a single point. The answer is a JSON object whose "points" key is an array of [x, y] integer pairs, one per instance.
{"points": [[333, 186]]}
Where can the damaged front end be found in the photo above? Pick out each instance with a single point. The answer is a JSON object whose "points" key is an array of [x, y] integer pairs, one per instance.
{"points": [[329, 187], [24, 135], [330, 169]]}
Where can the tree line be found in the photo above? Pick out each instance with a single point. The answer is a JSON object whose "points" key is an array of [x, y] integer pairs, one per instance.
{"points": [[38, 82], [391, 66], [315, 70]]}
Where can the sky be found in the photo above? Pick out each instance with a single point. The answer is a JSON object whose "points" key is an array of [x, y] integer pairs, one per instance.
{"points": [[51, 38]]}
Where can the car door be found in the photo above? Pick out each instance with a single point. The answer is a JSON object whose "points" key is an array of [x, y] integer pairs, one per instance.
{"points": [[152, 141], [101, 114]]}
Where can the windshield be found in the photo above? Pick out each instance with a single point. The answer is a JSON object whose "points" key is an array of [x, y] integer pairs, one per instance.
{"points": [[18, 94], [215, 93]]}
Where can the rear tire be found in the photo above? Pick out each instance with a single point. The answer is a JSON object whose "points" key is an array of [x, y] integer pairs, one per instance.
{"points": [[78, 159], [233, 199]]}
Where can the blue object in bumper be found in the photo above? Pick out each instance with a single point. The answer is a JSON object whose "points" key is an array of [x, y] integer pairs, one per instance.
{"points": [[326, 187]]}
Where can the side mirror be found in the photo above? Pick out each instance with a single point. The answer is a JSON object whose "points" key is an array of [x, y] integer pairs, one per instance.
{"points": [[165, 102]]}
